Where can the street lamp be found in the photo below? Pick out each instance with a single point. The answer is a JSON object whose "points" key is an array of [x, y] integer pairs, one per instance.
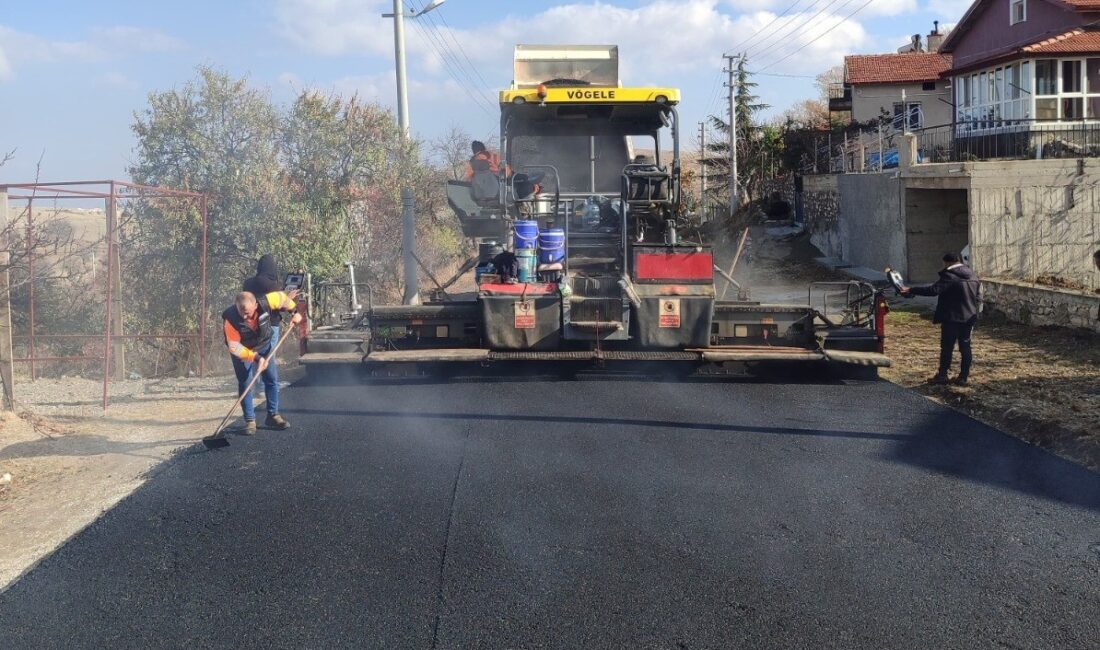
{"points": [[399, 14]]}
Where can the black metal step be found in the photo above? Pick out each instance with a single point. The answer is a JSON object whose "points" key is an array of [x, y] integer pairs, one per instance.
{"points": [[592, 355]]}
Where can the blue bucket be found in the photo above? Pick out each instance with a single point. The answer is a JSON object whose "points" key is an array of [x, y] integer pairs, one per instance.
{"points": [[551, 245], [528, 264], [527, 234]]}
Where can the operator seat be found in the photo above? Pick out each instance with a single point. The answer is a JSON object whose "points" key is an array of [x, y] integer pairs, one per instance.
{"points": [[646, 180]]}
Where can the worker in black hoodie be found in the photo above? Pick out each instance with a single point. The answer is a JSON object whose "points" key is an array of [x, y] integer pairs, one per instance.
{"points": [[266, 281], [959, 296]]}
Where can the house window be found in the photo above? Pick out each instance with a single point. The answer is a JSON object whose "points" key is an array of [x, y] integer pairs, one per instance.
{"points": [[1046, 77], [908, 116], [1046, 108], [1092, 87], [1017, 11], [928, 85], [1071, 76], [1044, 89]]}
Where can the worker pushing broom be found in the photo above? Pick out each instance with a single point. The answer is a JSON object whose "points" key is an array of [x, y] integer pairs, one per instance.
{"points": [[249, 335]]}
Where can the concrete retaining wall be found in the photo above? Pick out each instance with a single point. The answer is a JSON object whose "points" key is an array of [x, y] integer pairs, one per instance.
{"points": [[1033, 304], [871, 221], [821, 204], [1034, 219]]}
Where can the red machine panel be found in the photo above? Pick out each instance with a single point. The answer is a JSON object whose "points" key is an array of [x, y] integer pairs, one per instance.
{"points": [[668, 265]]}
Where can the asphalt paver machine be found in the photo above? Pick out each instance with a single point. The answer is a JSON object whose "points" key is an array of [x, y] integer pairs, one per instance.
{"points": [[587, 205]]}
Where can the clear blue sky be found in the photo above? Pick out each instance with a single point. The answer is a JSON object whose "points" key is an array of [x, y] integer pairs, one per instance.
{"points": [[73, 73]]}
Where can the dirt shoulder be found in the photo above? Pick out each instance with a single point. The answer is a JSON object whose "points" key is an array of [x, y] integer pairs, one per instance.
{"points": [[69, 461], [1039, 384]]}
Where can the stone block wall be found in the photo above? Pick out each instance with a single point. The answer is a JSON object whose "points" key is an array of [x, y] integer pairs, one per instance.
{"points": [[1033, 304], [1036, 219], [821, 205]]}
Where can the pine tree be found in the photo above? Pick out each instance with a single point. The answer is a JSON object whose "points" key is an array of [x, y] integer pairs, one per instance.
{"points": [[754, 145]]}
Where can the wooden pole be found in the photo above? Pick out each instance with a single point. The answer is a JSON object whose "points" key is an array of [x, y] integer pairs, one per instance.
{"points": [[8, 399], [733, 266]]}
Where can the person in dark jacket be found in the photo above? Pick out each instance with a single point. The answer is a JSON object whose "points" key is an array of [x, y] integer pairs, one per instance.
{"points": [[958, 297], [267, 280]]}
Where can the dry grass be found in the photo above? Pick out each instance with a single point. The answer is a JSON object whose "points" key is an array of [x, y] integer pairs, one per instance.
{"points": [[1039, 384]]}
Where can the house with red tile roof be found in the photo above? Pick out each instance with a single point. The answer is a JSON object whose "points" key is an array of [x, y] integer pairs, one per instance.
{"points": [[906, 86], [1016, 63]]}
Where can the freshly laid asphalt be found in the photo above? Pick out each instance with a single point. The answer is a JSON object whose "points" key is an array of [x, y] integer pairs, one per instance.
{"points": [[606, 512]]}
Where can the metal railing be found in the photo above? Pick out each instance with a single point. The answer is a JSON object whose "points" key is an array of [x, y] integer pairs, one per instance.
{"points": [[878, 148], [1009, 140], [870, 148]]}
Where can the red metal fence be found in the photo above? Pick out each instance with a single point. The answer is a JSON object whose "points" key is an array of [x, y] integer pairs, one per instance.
{"points": [[112, 193]]}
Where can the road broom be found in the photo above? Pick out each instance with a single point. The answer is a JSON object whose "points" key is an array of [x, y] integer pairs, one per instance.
{"points": [[218, 439]]}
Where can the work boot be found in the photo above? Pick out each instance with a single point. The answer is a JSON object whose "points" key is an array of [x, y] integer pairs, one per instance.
{"points": [[960, 381], [276, 421], [249, 428], [937, 380]]}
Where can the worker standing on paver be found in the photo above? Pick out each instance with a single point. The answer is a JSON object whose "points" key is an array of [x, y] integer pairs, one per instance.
{"points": [[248, 334], [958, 291]]}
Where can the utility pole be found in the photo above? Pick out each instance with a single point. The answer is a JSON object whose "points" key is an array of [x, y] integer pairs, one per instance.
{"points": [[399, 14], [731, 70], [408, 209], [703, 167], [408, 246], [399, 57]]}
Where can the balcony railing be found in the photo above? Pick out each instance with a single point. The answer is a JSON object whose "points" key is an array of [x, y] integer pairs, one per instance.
{"points": [[840, 97], [1009, 140]]}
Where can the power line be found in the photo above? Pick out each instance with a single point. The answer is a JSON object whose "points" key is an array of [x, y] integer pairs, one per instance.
{"points": [[450, 32], [745, 43], [778, 74], [450, 66], [793, 29], [794, 22], [466, 68], [718, 85], [819, 36], [450, 62]]}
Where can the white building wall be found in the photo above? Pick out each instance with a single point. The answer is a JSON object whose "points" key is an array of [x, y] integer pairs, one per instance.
{"points": [[869, 100]]}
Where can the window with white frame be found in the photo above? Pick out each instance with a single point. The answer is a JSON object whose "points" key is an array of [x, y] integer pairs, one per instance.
{"points": [[908, 115], [1017, 11], [1043, 89]]}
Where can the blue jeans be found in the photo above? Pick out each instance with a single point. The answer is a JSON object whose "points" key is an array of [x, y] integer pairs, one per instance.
{"points": [[269, 377]]}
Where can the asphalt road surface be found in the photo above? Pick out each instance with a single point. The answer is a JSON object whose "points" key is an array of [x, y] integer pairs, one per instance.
{"points": [[599, 513]]}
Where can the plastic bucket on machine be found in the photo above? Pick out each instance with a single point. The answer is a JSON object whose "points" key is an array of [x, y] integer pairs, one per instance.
{"points": [[528, 263], [527, 235], [551, 245]]}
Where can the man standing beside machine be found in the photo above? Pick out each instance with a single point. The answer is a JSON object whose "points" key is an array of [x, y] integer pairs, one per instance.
{"points": [[959, 295]]}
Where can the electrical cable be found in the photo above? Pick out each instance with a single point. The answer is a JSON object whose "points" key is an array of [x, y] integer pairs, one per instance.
{"points": [[745, 43], [797, 30], [450, 68], [819, 36]]}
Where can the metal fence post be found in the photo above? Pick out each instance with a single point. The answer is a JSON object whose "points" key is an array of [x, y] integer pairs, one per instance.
{"points": [[6, 355], [202, 289], [880, 161]]}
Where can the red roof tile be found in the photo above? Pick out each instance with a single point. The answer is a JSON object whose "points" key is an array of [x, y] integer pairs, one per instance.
{"points": [[1082, 4], [895, 68], [1073, 42]]}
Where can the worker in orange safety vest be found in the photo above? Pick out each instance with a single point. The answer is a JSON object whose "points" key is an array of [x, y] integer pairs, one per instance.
{"points": [[484, 159], [248, 335]]}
